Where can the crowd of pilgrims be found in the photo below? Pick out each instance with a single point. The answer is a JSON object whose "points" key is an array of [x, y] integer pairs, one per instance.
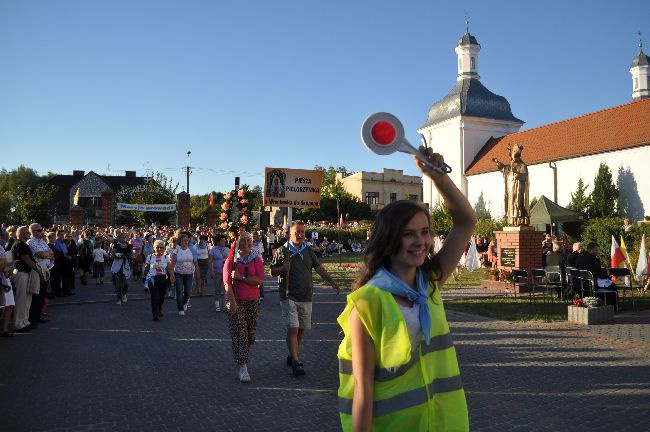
{"points": [[122, 255]]}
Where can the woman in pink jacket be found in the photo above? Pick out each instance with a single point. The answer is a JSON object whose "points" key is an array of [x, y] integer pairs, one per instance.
{"points": [[242, 277]]}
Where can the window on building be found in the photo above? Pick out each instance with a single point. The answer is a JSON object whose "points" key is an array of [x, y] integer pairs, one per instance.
{"points": [[636, 83], [473, 63], [413, 197], [460, 64], [393, 196], [372, 198]]}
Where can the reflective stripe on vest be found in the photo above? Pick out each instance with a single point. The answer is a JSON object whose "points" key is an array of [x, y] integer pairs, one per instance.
{"points": [[408, 399], [436, 343]]}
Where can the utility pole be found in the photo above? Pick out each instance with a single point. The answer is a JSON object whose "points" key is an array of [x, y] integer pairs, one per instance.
{"points": [[188, 171]]}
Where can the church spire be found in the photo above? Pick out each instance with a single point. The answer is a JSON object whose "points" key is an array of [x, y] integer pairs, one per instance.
{"points": [[467, 50], [640, 74]]}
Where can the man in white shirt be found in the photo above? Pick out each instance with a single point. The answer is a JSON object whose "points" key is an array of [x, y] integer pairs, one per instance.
{"points": [[44, 257]]}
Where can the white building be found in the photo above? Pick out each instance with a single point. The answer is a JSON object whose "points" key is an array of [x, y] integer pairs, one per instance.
{"points": [[483, 126]]}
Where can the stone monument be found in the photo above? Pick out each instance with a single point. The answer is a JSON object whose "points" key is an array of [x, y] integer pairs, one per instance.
{"points": [[518, 245]]}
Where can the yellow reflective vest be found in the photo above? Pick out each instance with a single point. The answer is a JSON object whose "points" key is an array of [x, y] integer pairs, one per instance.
{"points": [[413, 390]]}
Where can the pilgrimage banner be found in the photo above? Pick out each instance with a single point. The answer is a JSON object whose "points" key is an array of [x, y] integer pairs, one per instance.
{"points": [[297, 188], [147, 207]]}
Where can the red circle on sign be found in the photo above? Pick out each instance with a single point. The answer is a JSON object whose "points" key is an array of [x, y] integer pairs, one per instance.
{"points": [[383, 133]]}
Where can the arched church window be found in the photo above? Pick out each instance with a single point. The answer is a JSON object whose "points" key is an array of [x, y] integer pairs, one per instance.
{"points": [[460, 64], [636, 83], [473, 63]]}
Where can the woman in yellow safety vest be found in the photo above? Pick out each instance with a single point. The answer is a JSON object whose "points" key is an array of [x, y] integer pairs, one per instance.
{"points": [[397, 363]]}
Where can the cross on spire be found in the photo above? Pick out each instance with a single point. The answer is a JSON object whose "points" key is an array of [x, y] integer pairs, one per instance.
{"points": [[466, 23], [640, 42]]}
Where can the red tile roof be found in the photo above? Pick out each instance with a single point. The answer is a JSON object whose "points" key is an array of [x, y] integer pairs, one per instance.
{"points": [[616, 128]]}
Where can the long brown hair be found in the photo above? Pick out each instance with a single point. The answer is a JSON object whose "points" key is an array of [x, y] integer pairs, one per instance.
{"points": [[385, 240]]}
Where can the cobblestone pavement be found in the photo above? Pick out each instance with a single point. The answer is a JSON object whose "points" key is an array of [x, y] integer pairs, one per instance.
{"points": [[98, 366]]}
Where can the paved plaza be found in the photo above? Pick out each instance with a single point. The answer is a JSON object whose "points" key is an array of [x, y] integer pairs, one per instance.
{"points": [[98, 366]]}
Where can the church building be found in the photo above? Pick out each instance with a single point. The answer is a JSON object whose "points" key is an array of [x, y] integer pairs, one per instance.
{"points": [[477, 126]]}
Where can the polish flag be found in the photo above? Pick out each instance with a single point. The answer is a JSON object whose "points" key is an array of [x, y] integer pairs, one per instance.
{"points": [[211, 200], [341, 221], [617, 256]]}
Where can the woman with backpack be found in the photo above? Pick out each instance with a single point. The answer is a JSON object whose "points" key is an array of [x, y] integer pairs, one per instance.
{"points": [[121, 267]]}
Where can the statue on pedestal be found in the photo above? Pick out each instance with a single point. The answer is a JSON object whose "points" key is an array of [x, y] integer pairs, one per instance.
{"points": [[515, 176]]}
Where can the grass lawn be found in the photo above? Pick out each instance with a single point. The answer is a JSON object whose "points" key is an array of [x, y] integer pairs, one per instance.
{"points": [[344, 271], [511, 309], [521, 309]]}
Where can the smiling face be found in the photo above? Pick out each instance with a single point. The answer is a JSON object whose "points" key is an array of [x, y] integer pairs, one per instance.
{"points": [[414, 244], [245, 244]]}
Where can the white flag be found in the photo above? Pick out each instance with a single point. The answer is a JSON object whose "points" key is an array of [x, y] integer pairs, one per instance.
{"points": [[472, 261], [437, 245], [642, 264]]}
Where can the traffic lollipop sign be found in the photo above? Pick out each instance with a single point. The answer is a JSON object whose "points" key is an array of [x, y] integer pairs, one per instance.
{"points": [[382, 133]]}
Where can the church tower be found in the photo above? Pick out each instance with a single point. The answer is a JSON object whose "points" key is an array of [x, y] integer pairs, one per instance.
{"points": [[640, 74], [460, 124]]}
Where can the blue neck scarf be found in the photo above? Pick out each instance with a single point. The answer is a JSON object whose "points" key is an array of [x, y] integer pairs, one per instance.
{"points": [[391, 283], [60, 246], [294, 250], [251, 256]]}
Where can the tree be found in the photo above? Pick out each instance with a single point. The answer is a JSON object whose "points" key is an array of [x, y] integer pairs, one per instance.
{"points": [[331, 187], [24, 197], [604, 197], [441, 222], [580, 200], [33, 205], [157, 189], [199, 204], [533, 201]]}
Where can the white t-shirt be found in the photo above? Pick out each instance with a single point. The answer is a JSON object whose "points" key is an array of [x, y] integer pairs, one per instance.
{"points": [[157, 265], [202, 252], [184, 261], [99, 255]]}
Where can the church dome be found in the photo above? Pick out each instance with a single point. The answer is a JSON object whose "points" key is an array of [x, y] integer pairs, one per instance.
{"points": [[467, 39], [472, 99], [641, 60]]}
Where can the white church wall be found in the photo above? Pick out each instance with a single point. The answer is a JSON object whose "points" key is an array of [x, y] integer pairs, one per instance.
{"points": [[569, 171], [444, 138]]}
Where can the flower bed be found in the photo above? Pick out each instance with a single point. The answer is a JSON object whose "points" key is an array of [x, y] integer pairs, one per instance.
{"points": [[349, 267]]}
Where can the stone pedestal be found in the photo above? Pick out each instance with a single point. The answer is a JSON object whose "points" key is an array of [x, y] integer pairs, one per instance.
{"points": [[211, 217], [183, 208], [519, 247], [77, 216], [107, 208]]}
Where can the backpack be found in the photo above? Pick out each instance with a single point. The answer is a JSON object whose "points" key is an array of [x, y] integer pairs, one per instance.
{"points": [[86, 248]]}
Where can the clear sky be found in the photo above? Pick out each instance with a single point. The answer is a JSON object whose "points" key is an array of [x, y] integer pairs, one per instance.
{"points": [[120, 85]]}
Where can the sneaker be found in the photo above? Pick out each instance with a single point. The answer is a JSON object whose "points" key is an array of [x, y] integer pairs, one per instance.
{"points": [[119, 302], [188, 304], [244, 376], [289, 361], [298, 369], [217, 307], [156, 318], [185, 306], [181, 313], [124, 298]]}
